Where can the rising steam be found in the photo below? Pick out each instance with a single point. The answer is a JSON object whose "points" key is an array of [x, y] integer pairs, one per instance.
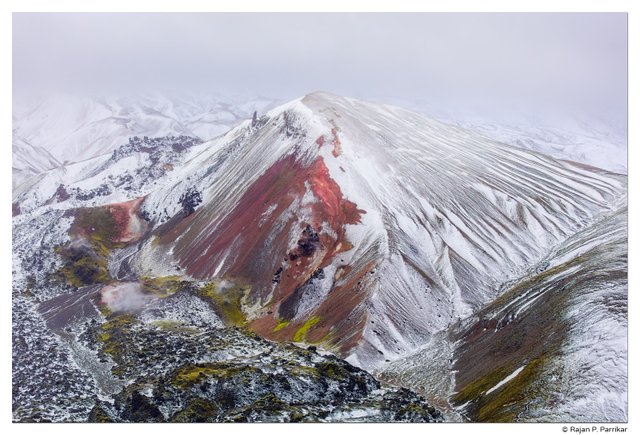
{"points": [[124, 297]]}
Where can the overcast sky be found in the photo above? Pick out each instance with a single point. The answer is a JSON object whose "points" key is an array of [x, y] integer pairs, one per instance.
{"points": [[562, 60]]}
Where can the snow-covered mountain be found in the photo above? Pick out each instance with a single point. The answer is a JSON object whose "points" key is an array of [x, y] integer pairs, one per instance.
{"points": [[67, 128], [366, 230], [577, 135], [29, 159], [412, 223], [591, 144]]}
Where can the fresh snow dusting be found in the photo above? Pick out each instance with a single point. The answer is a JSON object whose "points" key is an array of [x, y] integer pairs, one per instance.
{"points": [[474, 233], [570, 135], [58, 129], [505, 380]]}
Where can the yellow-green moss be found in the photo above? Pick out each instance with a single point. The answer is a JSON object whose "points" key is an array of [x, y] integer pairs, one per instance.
{"points": [[111, 334], [227, 303], [332, 370], [162, 286], [174, 326], [300, 370], [281, 323], [98, 225], [327, 342], [190, 374], [83, 271], [104, 310], [501, 405], [197, 410], [99, 415], [88, 263], [301, 334], [504, 404]]}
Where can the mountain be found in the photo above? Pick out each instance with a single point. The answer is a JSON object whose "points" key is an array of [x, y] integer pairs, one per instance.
{"points": [[365, 230], [29, 159], [577, 135], [376, 224], [593, 143], [67, 128]]}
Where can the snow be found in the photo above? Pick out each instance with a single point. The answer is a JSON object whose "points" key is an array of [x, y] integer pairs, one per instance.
{"points": [[515, 373], [577, 136], [65, 128], [466, 234]]}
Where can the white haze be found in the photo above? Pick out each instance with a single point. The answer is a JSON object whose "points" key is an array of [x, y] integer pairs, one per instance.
{"points": [[560, 62], [125, 297]]}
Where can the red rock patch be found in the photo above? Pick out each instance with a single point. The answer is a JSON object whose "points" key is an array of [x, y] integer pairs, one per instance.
{"points": [[337, 145], [247, 244], [130, 227], [335, 142]]}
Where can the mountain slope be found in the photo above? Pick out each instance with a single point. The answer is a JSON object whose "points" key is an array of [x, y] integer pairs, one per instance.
{"points": [[367, 228], [71, 128], [29, 159], [578, 135], [585, 143], [551, 348]]}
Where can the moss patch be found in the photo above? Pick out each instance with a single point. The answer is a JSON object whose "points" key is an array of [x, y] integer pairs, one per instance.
{"points": [[305, 371], [94, 233], [531, 339], [197, 411], [113, 336], [97, 225], [174, 326], [227, 303], [82, 266], [163, 286], [192, 374], [99, 415], [301, 334], [503, 404], [85, 259], [280, 324], [332, 370]]}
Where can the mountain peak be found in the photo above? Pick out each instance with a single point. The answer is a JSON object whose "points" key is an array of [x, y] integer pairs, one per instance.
{"points": [[322, 97]]}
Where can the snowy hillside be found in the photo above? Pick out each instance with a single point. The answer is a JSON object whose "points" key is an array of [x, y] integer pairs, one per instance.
{"points": [[552, 348], [29, 159], [575, 135], [66, 128], [594, 145], [417, 222]]}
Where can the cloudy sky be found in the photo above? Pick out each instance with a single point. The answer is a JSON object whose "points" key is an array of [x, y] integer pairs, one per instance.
{"points": [[553, 60]]}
